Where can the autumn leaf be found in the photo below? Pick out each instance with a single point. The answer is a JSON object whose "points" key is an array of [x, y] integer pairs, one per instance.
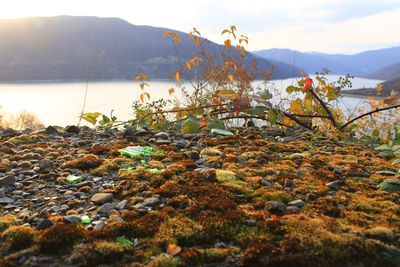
{"points": [[230, 77], [176, 39], [242, 103], [307, 84], [224, 31], [177, 77], [166, 33], [144, 76], [305, 75], [190, 35], [173, 249], [188, 65], [228, 44], [171, 91], [142, 97]]}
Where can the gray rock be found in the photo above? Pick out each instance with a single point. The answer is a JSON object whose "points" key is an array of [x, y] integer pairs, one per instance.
{"points": [[10, 132], [44, 224], [46, 163], [162, 135], [7, 180], [163, 142], [101, 198], [181, 143], [6, 200], [298, 203], [98, 225], [2, 192], [51, 130], [152, 201], [275, 206], [72, 218], [122, 205], [194, 155], [335, 185], [36, 169], [18, 185], [117, 219], [250, 223], [265, 182], [72, 129], [106, 208], [292, 209]]}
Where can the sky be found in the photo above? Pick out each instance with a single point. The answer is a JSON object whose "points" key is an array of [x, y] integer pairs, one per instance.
{"points": [[330, 26]]}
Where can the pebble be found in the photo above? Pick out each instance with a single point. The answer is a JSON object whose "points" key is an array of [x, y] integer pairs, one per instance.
{"points": [[275, 206], [6, 200], [8, 180], [335, 185], [101, 198], [73, 218], [44, 224], [298, 203]]}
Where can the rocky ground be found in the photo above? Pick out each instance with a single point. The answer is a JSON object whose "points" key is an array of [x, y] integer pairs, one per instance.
{"points": [[262, 197]]}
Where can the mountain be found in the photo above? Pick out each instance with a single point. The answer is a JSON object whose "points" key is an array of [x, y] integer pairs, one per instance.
{"points": [[385, 73], [65, 47], [357, 64]]}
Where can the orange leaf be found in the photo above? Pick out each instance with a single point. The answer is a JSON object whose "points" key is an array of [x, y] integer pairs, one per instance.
{"points": [[148, 95], [177, 77], [190, 35], [171, 91], [173, 249], [137, 78], [273, 217], [216, 102], [307, 84], [142, 85], [176, 39], [224, 31], [142, 97], [166, 33], [305, 75], [230, 77], [228, 44], [188, 65], [144, 76]]}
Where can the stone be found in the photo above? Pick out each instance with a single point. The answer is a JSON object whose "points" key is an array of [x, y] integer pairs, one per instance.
{"points": [[46, 163], [2, 192], [298, 203], [163, 142], [152, 201], [122, 205], [250, 223], [51, 130], [161, 135], [194, 155], [6, 200], [98, 225], [275, 206], [101, 198], [335, 185], [72, 129], [8, 180], [10, 132], [72, 218], [44, 224], [106, 208], [181, 143]]}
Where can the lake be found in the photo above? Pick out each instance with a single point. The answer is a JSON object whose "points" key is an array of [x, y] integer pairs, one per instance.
{"points": [[60, 103]]}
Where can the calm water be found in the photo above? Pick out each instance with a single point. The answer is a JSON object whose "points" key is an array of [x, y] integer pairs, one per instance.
{"points": [[60, 103]]}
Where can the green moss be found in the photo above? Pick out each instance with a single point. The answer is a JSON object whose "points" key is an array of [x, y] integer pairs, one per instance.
{"points": [[165, 260], [19, 237]]}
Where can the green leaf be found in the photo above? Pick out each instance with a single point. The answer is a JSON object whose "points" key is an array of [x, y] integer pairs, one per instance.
{"points": [[91, 117], [272, 116], [384, 147], [390, 185], [191, 125], [386, 153], [375, 133], [397, 161], [291, 89], [396, 147], [179, 124], [266, 95], [256, 110], [215, 123]]}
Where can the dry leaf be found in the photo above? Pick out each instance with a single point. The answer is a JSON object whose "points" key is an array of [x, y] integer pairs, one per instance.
{"points": [[173, 249]]}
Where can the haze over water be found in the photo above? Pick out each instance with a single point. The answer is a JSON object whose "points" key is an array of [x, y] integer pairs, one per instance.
{"points": [[61, 103]]}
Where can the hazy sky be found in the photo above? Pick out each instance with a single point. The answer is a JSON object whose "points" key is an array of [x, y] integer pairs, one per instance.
{"points": [[333, 26]]}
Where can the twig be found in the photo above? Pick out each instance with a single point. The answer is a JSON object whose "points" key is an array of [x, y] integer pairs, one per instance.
{"points": [[367, 114], [330, 115], [94, 63]]}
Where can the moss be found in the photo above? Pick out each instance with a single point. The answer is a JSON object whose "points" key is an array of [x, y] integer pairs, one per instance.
{"points": [[7, 221], [269, 194], [19, 237], [60, 236], [84, 163], [101, 252], [164, 260], [210, 152], [106, 168], [22, 139]]}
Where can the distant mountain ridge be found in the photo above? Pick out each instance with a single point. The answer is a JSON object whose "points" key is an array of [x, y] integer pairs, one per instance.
{"points": [[64, 47], [386, 73], [357, 64]]}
